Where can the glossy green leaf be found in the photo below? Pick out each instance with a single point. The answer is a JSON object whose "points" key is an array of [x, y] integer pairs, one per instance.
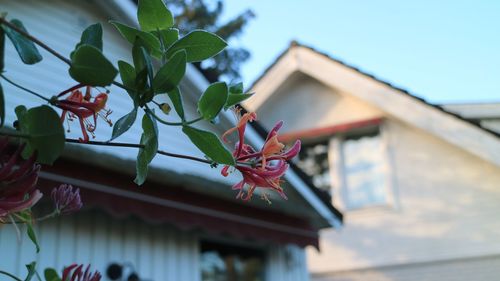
{"points": [[2, 107], [32, 235], [124, 123], [236, 89], [176, 98], [25, 48], [144, 70], [199, 45], [236, 99], [213, 100], [46, 133], [167, 37], [50, 274], [129, 33], [2, 49], [90, 67], [171, 73], [92, 35], [127, 74], [153, 15], [31, 270], [210, 144], [149, 139]]}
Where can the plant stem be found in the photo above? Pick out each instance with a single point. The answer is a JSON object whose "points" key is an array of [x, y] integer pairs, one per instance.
{"points": [[23, 88], [172, 123], [10, 275], [35, 40], [49, 49], [119, 144], [134, 145]]}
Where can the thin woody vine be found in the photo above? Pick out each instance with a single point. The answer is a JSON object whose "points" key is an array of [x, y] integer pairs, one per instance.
{"points": [[159, 63]]}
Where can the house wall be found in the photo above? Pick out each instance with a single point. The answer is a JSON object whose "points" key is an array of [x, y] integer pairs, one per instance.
{"points": [[442, 222], [157, 252], [304, 104]]}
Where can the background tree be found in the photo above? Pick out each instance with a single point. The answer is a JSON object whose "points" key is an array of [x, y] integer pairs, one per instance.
{"points": [[201, 14]]}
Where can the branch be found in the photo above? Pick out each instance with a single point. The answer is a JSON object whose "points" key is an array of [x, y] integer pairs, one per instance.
{"points": [[23, 88], [10, 275], [35, 40], [135, 145]]}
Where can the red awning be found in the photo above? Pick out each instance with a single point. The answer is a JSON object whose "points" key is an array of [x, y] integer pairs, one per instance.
{"points": [[157, 203]]}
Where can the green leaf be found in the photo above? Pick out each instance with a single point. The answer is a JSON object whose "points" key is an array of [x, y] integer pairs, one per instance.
{"points": [[31, 270], [209, 144], [153, 15], [2, 107], [2, 49], [144, 71], [176, 98], [236, 89], [167, 36], [213, 100], [171, 73], [199, 45], [90, 67], [46, 133], [25, 48], [32, 235], [50, 274], [149, 139], [129, 33], [92, 35], [236, 99], [127, 74], [124, 123]]}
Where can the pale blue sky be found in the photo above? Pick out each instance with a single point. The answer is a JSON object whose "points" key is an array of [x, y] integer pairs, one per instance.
{"points": [[443, 51]]}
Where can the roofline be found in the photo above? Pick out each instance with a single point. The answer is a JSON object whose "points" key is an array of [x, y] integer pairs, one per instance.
{"points": [[295, 43]]}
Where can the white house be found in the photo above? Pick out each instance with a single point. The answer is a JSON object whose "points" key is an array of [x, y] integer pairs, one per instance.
{"points": [[184, 223], [418, 184]]}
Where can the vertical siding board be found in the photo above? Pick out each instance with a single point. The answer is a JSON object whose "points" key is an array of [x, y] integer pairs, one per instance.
{"points": [[145, 250], [130, 241], [115, 240], [83, 239], [8, 246], [100, 254], [159, 262], [170, 252]]}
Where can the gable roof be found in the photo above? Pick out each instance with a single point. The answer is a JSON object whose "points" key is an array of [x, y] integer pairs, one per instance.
{"points": [[434, 119]]}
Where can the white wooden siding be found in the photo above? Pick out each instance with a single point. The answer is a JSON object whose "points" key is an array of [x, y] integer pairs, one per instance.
{"points": [[92, 237], [286, 263]]}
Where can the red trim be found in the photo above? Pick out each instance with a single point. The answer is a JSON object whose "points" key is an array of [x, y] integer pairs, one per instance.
{"points": [[116, 194], [331, 130]]}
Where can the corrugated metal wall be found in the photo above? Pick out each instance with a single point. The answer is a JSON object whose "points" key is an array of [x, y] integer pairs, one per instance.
{"points": [[156, 252]]}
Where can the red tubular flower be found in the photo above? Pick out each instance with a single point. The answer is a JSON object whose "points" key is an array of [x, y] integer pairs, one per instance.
{"points": [[66, 200], [76, 105], [17, 181], [262, 168], [75, 272]]}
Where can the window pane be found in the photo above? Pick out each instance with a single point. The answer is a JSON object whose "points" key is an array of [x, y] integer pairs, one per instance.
{"points": [[313, 160], [364, 171], [224, 262]]}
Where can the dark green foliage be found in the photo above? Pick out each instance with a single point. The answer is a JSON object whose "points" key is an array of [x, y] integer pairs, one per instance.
{"points": [[25, 48], [210, 144]]}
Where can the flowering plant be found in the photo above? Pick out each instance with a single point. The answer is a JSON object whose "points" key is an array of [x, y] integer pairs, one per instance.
{"points": [[160, 57]]}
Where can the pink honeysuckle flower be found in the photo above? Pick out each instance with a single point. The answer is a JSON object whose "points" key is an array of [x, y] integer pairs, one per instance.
{"points": [[18, 179], [262, 168], [66, 200], [75, 272]]}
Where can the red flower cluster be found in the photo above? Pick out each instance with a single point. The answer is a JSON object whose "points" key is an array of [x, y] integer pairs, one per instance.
{"points": [[262, 168], [17, 181], [76, 105], [75, 272], [66, 200]]}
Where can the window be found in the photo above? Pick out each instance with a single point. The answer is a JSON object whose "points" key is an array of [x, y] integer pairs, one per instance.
{"points": [[313, 160], [353, 167], [224, 262], [363, 170]]}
